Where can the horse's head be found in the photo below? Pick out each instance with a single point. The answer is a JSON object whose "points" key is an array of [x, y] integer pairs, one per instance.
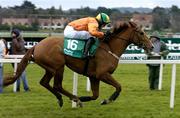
{"points": [[133, 34]]}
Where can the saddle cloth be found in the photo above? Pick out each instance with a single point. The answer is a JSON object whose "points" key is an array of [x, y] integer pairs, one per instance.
{"points": [[75, 47]]}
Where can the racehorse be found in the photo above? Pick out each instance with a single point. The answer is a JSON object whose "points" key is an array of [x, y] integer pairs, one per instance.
{"points": [[48, 54]]}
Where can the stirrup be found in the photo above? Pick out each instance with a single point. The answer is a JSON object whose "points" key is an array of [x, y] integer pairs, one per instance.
{"points": [[86, 55]]}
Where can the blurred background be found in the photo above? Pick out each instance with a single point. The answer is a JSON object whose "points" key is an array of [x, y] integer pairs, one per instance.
{"points": [[52, 15]]}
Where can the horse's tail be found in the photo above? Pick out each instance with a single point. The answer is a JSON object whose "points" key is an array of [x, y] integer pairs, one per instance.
{"points": [[20, 68]]}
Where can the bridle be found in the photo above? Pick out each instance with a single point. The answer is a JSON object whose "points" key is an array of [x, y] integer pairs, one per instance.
{"points": [[139, 42], [129, 40]]}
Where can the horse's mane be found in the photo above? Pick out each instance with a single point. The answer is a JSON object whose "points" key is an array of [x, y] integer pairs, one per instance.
{"points": [[120, 26]]}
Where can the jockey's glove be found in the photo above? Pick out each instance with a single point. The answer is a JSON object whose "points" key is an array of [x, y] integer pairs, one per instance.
{"points": [[107, 35]]}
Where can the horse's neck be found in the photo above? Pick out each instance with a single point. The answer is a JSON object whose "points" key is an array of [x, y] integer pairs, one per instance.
{"points": [[118, 46]]}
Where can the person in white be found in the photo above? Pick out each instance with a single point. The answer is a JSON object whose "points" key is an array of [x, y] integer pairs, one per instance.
{"points": [[2, 53]]}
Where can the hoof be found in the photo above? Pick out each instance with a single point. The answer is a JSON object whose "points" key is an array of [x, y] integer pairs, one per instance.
{"points": [[105, 102], [60, 102], [79, 103]]}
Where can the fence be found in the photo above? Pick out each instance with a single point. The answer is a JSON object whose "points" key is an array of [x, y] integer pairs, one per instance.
{"points": [[12, 59], [142, 56], [17, 58]]}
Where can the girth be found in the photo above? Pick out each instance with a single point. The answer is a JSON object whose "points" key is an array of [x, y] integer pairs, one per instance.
{"points": [[86, 66]]}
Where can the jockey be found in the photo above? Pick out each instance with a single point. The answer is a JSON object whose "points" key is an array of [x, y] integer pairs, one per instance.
{"points": [[87, 28]]}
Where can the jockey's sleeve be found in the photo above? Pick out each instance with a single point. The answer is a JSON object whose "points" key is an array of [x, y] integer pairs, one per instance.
{"points": [[93, 30]]}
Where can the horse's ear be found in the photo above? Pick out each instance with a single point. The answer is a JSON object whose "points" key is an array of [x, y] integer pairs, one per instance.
{"points": [[127, 24]]}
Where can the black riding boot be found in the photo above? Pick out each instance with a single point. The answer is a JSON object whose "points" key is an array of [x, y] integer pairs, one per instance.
{"points": [[88, 45]]}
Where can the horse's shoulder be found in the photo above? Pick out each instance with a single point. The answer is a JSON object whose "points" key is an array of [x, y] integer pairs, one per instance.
{"points": [[103, 47]]}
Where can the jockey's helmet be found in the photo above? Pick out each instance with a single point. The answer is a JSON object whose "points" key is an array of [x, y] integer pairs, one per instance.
{"points": [[103, 18]]}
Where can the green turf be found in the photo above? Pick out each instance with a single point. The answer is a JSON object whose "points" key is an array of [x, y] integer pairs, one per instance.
{"points": [[135, 101]]}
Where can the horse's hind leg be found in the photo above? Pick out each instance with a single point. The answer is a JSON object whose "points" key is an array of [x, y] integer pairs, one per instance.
{"points": [[95, 90], [58, 86], [108, 79], [45, 82]]}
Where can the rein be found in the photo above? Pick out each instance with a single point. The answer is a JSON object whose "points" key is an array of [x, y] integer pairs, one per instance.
{"points": [[127, 40], [113, 54]]}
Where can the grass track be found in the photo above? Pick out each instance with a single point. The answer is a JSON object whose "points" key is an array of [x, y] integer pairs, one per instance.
{"points": [[135, 101]]}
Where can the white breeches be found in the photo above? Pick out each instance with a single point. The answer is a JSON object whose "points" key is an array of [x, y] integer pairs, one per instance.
{"points": [[70, 32]]}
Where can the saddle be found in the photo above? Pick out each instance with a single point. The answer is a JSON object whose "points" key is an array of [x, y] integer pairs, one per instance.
{"points": [[75, 47]]}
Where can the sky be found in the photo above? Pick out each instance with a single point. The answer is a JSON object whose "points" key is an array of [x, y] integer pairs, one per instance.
{"points": [[68, 4]]}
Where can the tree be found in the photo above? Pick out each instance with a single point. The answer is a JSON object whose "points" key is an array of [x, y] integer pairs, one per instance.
{"points": [[160, 18], [52, 10], [175, 18], [103, 9], [4, 27], [35, 25], [60, 11], [174, 9], [27, 7]]}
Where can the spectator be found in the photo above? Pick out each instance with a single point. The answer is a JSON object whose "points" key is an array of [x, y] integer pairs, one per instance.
{"points": [[17, 48], [159, 50], [3, 50]]}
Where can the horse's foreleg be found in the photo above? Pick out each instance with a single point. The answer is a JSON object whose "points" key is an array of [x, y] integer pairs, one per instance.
{"points": [[95, 90], [108, 79], [45, 82], [58, 83], [58, 86], [71, 96]]}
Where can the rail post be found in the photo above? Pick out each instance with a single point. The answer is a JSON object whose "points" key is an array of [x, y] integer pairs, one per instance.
{"points": [[75, 84], [160, 75], [88, 87], [15, 83], [173, 82]]}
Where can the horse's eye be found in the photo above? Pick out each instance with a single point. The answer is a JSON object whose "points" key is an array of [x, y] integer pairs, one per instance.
{"points": [[141, 33]]}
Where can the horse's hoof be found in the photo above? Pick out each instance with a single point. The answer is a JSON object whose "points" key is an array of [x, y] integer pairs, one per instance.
{"points": [[60, 102], [79, 103], [104, 102]]}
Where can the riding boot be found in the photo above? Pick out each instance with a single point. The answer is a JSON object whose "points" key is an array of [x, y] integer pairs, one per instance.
{"points": [[88, 45]]}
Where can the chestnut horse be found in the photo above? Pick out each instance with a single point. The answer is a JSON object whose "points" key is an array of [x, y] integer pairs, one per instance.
{"points": [[48, 54]]}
